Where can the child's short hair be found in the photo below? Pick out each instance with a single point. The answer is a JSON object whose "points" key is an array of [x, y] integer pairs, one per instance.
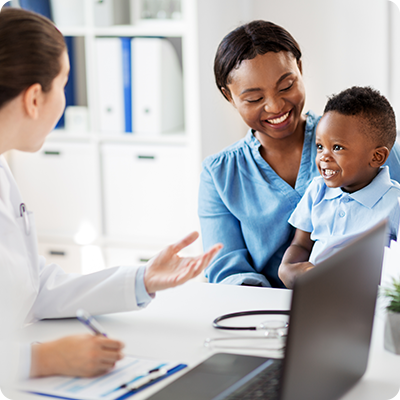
{"points": [[372, 107], [246, 42]]}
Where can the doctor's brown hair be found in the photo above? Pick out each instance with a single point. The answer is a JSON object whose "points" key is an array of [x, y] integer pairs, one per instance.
{"points": [[30, 51]]}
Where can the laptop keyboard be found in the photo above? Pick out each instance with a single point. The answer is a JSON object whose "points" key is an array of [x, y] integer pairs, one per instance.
{"points": [[263, 386]]}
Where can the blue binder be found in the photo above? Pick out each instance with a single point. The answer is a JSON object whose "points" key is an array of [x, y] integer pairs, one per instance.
{"points": [[70, 86], [127, 82], [42, 7]]}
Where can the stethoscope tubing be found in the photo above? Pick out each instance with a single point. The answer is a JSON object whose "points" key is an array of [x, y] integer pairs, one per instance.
{"points": [[217, 320]]}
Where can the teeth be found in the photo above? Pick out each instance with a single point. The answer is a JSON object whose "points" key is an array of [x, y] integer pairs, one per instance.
{"points": [[279, 120], [329, 172]]}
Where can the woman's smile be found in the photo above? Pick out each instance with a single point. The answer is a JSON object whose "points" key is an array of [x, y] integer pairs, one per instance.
{"points": [[280, 121], [269, 94]]}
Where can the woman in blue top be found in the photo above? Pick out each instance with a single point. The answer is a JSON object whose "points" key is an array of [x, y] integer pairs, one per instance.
{"points": [[249, 190]]}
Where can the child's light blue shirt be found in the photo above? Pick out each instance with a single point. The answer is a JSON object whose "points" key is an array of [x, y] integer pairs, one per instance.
{"points": [[334, 217]]}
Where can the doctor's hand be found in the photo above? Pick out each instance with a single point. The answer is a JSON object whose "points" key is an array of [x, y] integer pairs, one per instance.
{"points": [[167, 269], [77, 355]]}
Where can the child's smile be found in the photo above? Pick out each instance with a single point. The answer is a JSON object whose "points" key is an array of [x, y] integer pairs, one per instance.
{"points": [[345, 153], [328, 173]]}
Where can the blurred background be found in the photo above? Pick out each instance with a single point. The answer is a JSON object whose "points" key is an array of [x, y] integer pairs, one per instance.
{"points": [[117, 180]]}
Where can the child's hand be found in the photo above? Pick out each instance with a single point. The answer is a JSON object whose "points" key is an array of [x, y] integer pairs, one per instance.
{"points": [[295, 260], [289, 272]]}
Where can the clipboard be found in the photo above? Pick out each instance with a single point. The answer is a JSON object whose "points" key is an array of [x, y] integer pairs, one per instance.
{"points": [[105, 387]]}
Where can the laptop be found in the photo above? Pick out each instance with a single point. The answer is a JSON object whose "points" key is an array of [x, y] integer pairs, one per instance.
{"points": [[328, 340]]}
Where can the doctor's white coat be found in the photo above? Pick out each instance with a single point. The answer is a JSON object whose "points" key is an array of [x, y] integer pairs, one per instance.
{"points": [[31, 290]]}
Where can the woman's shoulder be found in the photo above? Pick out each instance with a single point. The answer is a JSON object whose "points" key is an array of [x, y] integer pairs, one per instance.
{"points": [[312, 120], [228, 155]]}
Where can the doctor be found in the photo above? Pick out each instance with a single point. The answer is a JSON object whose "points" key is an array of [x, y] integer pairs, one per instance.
{"points": [[34, 69]]}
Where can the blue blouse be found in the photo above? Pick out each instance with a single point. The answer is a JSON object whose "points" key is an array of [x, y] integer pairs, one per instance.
{"points": [[245, 205]]}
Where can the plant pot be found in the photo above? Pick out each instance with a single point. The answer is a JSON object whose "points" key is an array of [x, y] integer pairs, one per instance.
{"points": [[392, 332]]}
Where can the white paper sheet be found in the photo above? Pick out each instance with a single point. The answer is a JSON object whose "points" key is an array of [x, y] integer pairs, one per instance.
{"points": [[106, 387]]}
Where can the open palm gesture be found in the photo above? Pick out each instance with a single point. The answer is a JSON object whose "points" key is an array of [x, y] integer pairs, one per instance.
{"points": [[168, 269]]}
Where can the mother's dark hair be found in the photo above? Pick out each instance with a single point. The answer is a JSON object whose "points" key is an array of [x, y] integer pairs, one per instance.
{"points": [[30, 51], [248, 41]]}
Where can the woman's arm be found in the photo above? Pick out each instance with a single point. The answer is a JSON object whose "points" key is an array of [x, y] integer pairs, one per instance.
{"points": [[233, 265], [295, 260]]}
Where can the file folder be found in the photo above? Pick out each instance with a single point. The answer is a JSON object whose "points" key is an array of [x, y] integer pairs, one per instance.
{"points": [[157, 86], [113, 64]]}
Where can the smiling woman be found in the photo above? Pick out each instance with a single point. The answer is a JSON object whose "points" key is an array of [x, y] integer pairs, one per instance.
{"points": [[249, 190]]}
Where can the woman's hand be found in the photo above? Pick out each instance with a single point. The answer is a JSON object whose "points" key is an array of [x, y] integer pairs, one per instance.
{"points": [[77, 355], [167, 269]]}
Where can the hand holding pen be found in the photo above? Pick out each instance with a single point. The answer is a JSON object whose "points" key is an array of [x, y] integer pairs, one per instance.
{"points": [[147, 377], [82, 355], [87, 320]]}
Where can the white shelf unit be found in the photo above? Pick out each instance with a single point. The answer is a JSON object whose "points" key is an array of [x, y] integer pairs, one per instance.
{"points": [[82, 207]]}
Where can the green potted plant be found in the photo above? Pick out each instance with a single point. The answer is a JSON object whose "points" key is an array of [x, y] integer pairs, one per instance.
{"points": [[392, 325]]}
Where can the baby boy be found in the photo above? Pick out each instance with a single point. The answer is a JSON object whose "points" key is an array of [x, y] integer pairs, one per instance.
{"points": [[354, 192]]}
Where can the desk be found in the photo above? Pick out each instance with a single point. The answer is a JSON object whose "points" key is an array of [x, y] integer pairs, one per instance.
{"points": [[175, 325]]}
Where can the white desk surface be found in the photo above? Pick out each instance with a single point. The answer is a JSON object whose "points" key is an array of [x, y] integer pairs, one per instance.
{"points": [[175, 325]]}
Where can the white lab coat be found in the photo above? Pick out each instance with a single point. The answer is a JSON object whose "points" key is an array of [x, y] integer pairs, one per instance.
{"points": [[31, 290]]}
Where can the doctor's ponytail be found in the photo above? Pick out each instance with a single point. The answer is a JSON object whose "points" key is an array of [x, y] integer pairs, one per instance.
{"points": [[30, 51]]}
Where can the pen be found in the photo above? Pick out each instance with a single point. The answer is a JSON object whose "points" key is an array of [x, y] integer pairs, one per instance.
{"points": [[152, 375], [86, 319], [24, 214]]}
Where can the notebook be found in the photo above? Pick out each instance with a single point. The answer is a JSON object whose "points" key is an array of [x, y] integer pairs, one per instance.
{"points": [[328, 341]]}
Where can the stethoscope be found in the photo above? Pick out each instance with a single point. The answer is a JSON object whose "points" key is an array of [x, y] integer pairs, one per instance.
{"points": [[276, 330], [262, 326]]}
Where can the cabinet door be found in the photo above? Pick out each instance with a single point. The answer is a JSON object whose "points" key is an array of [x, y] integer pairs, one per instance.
{"points": [[146, 192], [60, 185], [68, 257], [121, 256]]}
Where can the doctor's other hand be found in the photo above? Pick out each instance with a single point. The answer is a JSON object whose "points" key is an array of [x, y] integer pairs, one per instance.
{"points": [[77, 355], [168, 269]]}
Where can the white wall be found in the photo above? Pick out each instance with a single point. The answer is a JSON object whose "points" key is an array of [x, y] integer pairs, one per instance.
{"points": [[220, 123]]}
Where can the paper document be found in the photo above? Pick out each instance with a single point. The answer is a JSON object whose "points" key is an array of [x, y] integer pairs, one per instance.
{"points": [[107, 387]]}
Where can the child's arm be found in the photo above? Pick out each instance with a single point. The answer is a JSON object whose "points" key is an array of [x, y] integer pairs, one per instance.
{"points": [[295, 260]]}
